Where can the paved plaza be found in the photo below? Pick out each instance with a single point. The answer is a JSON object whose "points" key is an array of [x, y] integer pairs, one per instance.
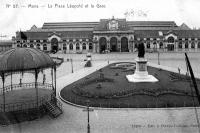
{"points": [[74, 119]]}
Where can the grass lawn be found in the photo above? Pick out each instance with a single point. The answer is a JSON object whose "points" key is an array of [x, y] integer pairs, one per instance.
{"points": [[109, 87]]}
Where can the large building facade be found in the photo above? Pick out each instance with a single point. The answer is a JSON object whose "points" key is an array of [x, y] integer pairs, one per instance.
{"points": [[109, 35]]}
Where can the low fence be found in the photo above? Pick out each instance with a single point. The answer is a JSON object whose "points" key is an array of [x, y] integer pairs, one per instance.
{"points": [[25, 85], [134, 103], [20, 106]]}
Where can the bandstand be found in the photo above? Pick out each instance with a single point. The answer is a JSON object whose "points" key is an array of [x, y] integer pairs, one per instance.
{"points": [[27, 101]]}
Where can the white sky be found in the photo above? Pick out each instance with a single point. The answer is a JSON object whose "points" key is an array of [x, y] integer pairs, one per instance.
{"points": [[11, 19]]}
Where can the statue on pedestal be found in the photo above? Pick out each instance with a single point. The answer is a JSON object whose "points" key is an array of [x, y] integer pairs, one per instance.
{"points": [[141, 72], [141, 50]]}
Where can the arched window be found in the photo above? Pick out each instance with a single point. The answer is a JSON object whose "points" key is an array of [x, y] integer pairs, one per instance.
{"points": [[31, 45], [199, 45], [192, 45], [38, 46], [180, 45], [64, 46], [186, 44], [77, 46], [154, 45], [71, 46], [45, 47], [90, 46], [148, 45], [24, 45], [84, 46], [161, 44], [170, 39]]}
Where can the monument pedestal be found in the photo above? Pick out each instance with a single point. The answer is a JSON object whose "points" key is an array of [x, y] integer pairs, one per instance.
{"points": [[141, 73]]}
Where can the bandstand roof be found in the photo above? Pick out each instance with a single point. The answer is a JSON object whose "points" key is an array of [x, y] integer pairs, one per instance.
{"points": [[24, 59]]}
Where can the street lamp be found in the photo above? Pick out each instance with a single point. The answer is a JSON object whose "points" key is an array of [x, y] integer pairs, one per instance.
{"points": [[158, 57], [72, 65], [88, 115], [131, 47]]}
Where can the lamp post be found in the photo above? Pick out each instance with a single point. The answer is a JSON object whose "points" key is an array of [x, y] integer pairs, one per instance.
{"points": [[88, 115], [72, 65], [158, 57], [131, 47]]}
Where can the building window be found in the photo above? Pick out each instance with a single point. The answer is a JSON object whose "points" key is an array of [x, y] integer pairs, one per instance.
{"points": [[18, 41], [148, 45], [180, 45], [154, 45], [24, 45], [192, 45], [161, 45], [45, 47], [31, 45], [18, 45], [77, 46], [71, 46], [186, 44], [31, 40], [199, 45], [64, 47], [84, 46], [44, 40], [90, 46], [37, 40], [38, 46]]}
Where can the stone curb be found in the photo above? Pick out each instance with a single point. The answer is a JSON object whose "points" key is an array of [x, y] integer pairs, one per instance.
{"points": [[100, 108]]}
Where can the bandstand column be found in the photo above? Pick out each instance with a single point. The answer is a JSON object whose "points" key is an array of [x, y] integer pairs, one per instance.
{"points": [[11, 82], [55, 81], [36, 87], [52, 78], [4, 99]]}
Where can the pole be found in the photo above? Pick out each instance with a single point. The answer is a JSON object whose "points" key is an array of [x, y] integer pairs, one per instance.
{"points": [[55, 80], [158, 58], [88, 116], [52, 78], [72, 65], [36, 76], [192, 77], [88, 127], [11, 81], [4, 99]]}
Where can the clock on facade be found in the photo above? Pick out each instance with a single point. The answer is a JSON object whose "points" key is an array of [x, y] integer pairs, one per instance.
{"points": [[113, 25]]}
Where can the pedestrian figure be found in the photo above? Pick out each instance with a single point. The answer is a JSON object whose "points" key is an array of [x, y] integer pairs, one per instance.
{"points": [[20, 82], [44, 78], [187, 74], [179, 70]]}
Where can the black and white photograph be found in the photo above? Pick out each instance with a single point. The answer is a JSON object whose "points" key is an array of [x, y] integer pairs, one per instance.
{"points": [[99, 66]]}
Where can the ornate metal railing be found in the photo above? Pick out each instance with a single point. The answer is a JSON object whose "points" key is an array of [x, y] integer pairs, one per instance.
{"points": [[20, 106], [25, 85]]}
